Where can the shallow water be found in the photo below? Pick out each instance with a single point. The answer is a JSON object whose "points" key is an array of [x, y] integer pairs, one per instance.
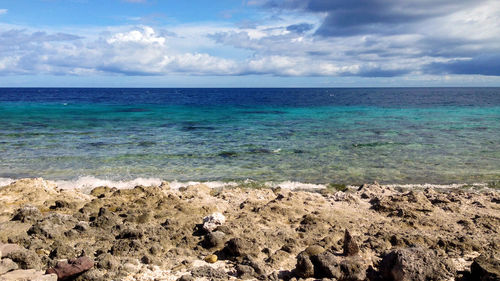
{"points": [[409, 135]]}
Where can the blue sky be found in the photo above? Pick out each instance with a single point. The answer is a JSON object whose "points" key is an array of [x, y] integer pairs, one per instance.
{"points": [[249, 43]]}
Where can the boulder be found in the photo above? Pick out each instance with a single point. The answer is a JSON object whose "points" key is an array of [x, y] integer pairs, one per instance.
{"points": [[485, 268], [66, 270], [237, 247], [329, 265], [414, 264]]}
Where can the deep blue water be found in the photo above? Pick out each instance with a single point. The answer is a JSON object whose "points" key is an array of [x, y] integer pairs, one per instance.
{"points": [[393, 135]]}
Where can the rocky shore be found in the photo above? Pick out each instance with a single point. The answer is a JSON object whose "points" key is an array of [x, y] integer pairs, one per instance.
{"points": [[195, 232]]}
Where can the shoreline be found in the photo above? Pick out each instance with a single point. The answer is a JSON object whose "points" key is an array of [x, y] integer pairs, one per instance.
{"points": [[87, 183], [200, 233]]}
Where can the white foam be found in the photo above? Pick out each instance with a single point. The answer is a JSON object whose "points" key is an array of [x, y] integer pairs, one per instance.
{"points": [[6, 181], [295, 185], [88, 183], [440, 186]]}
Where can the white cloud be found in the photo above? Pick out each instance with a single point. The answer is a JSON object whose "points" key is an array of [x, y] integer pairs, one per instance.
{"points": [[3, 11]]}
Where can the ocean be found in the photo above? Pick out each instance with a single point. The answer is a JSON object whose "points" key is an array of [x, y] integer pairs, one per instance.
{"points": [[316, 136]]}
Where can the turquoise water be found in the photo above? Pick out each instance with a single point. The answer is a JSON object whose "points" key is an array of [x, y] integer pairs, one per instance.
{"points": [[305, 135]]}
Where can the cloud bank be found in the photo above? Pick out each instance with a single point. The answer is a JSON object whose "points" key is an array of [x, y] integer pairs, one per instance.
{"points": [[364, 38]]}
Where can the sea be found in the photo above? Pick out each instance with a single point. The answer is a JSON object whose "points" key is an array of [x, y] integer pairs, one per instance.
{"points": [[283, 136]]}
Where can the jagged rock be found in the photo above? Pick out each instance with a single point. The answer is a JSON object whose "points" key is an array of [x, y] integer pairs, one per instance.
{"points": [[214, 239], [130, 233], [66, 270], [25, 259], [28, 275], [328, 265], [6, 249], [237, 247], [414, 264], [245, 271], [209, 272], [52, 226], [350, 247], [108, 262], [304, 267], [27, 214], [485, 268], [105, 219], [7, 265]]}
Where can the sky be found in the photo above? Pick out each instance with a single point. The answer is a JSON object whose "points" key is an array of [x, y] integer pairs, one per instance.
{"points": [[249, 43]]}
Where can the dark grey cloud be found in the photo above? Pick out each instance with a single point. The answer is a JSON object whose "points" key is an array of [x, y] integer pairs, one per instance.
{"points": [[488, 64], [355, 17]]}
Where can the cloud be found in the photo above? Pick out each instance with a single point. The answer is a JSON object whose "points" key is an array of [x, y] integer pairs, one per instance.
{"points": [[3, 11], [349, 18], [487, 64]]}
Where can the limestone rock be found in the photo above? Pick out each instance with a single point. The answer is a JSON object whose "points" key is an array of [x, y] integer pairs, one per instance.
{"points": [[485, 268], [214, 239], [350, 247], [414, 264], [27, 214], [6, 249], [209, 272], [25, 259], [7, 265], [237, 247], [27, 275]]}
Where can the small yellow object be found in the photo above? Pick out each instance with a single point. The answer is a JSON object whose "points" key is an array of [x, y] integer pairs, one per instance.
{"points": [[211, 258]]}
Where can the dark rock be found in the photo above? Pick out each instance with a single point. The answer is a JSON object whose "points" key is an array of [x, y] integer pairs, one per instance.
{"points": [[326, 265], [108, 262], [209, 272], [61, 251], [244, 271], [186, 277], [485, 268], [237, 247], [130, 233], [71, 268], [414, 264], [350, 247], [52, 226], [214, 239], [26, 259], [61, 204], [27, 214], [304, 267]]}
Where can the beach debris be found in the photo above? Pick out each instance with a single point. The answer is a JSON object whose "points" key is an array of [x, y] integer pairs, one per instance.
{"points": [[211, 258], [211, 222], [350, 247], [68, 269]]}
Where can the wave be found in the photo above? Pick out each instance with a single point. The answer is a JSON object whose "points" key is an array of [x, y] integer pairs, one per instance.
{"points": [[87, 183]]}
